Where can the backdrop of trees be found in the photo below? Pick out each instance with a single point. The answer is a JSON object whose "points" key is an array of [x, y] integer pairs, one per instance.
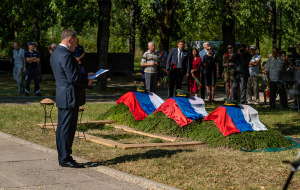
{"points": [[127, 25]]}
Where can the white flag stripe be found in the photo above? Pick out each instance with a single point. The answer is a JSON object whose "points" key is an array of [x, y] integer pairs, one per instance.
{"points": [[198, 105], [251, 116], [156, 100]]}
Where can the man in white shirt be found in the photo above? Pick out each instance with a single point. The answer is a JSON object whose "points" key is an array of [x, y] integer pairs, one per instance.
{"points": [[274, 65], [19, 61], [252, 84]]}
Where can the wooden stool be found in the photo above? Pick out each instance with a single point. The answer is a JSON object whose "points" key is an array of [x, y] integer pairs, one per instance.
{"points": [[46, 102], [80, 112]]}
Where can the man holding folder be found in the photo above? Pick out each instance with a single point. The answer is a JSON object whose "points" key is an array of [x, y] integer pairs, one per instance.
{"points": [[70, 94]]}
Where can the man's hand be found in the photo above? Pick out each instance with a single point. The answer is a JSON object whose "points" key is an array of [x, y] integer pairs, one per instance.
{"points": [[77, 58], [155, 64], [187, 75], [90, 80], [91, 74]]}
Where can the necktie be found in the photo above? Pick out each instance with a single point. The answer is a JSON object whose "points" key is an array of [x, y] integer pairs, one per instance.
{"points": [[180, 54]]}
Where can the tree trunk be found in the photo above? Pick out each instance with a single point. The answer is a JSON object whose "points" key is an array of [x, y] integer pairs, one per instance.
{"points": [[164, 20], [103, 40], [279, 31], [132, 29], [36, 38], [257, 44], [273, 23], [228, 25]]}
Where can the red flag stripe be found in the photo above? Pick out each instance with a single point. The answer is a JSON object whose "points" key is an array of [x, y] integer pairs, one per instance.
{"points": [[223, 121], [130, 100], [171, 109]]}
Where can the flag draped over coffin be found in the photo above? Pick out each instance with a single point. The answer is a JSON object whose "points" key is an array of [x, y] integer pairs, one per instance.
{"points": [[183, 110], [141, 104], [236, 119]]}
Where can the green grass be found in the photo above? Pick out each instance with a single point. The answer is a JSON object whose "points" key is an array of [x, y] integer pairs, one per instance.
{"points": [[206, 132], [117, 85], [194, 167]]}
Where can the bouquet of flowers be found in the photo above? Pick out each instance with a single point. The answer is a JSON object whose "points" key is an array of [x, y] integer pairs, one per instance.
{"points": [[172, 66], [159, 57], [198, 82], [267, 91], [165, 79]]}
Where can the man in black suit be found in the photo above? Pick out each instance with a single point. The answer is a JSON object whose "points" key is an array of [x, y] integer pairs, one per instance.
{"points": [[178, 65], [241, 73], [70, 94]]}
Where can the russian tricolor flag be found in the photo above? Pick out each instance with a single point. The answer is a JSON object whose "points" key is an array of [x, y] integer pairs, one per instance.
{"points": [[141, 104], [183, 110], [236, 119]]}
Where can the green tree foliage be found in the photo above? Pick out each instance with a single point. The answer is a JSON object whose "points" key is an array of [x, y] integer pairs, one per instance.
{"points": [[24, 20]]}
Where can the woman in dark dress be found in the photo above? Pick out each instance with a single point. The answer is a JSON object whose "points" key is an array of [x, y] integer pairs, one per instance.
{"points": [[195, 72], [211, 73]]}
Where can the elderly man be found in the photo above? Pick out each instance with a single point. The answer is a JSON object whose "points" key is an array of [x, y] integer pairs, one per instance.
{"points": [[252, 84], [31, 69], [202, 53], [274, 65], [19, 61], [178, 65], [52, 48], [149, 62]]}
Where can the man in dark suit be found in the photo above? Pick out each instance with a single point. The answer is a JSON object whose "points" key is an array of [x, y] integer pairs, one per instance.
{"points": [[70, 94], [241, 73], [178, 65]]}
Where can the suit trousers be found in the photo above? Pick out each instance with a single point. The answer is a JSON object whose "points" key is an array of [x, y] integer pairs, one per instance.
{"points": [[151, 81], [274, 88], [66, 128], [176, 77], [242, 81]]}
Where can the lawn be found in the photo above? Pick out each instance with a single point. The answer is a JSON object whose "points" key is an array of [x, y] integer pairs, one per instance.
{"points": [[116, 85], [194, 167]]}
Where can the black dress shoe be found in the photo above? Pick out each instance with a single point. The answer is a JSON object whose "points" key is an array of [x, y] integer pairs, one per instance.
{"points": [[71, 165]]}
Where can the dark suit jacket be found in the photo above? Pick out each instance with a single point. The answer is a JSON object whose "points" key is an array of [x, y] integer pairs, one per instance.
{"points": [[173, 58], [241, 64], [70, 83]]}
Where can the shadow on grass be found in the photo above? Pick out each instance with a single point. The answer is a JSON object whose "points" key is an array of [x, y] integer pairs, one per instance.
{"points": [[287, 129], [158, 153]]}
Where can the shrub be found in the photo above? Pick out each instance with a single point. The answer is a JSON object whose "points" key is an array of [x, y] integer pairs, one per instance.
{"points": [[206, 132]]}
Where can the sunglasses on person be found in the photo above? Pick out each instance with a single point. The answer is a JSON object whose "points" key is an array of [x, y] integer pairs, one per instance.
{"points": [[230, 47]]}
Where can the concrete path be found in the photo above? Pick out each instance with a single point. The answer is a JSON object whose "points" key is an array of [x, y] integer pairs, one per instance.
{"points": [[25, 165]]}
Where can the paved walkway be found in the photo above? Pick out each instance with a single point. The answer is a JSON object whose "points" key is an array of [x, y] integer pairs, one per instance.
{"points": [[25, 165]]}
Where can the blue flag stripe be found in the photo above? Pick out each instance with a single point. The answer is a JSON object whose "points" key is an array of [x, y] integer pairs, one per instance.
{"points": [[145, 102], [186, 108], [237, 117]]}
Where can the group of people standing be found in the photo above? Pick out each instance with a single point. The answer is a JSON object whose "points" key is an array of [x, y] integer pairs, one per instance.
{"points": [[240, 72], [28, 62], [178, 64]]}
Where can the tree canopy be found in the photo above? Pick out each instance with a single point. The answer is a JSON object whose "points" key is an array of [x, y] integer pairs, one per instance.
{"points": [[133, 23]]}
